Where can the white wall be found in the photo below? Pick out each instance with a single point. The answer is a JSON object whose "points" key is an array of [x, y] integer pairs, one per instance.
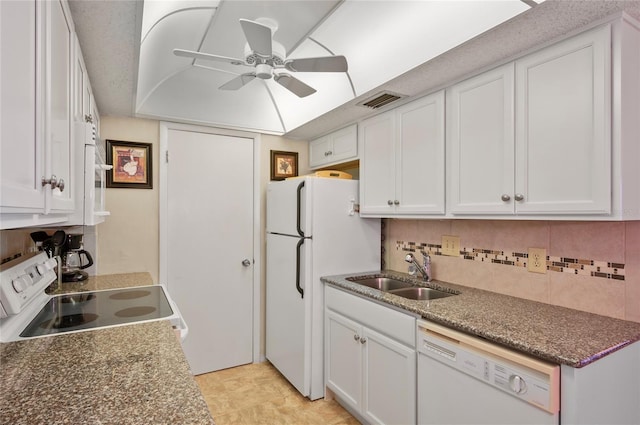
{"points": [[128, 241]]}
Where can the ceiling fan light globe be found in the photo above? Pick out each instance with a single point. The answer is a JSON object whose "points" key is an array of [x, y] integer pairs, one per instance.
{"points": [[264, 71]]}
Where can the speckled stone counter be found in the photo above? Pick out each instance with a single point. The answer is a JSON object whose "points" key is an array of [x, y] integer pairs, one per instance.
{"points": [[134, 374], [556, 334]]}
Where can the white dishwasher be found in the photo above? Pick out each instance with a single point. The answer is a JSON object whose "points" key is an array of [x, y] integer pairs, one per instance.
{"points": [[466, 380]]}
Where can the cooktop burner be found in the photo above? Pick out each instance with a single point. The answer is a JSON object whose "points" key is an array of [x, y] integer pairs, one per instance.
{"points": [[129, 295], [90, 310], [135, 311], [68, 321]]}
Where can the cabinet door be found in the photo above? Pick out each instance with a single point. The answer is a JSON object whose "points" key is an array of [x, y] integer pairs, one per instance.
{"points": [[480, 143], [377, 164], [563, 128], [344, 144], [319, 151], [81, 87], [58, 114], [21, 147], [389, 380], [343, 358], [420, 180]]}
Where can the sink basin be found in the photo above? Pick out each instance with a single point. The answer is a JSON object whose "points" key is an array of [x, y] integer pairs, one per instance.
{"points": [[382, 283], [416, 293]]}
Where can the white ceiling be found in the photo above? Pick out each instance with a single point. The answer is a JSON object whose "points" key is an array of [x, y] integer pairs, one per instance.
{"points": [[387, 44]]}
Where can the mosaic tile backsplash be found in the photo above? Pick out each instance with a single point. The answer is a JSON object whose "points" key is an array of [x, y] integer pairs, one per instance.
{"points": [[585, 267]]}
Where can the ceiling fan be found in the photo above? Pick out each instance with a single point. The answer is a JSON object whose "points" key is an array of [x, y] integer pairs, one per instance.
{"points": [[267, 56]]}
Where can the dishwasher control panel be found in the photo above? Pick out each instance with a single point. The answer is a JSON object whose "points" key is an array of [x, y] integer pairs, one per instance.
{"points": [[508, 371]]}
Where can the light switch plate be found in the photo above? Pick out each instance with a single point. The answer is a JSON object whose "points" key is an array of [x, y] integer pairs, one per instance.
{"points": [[451, 245], [537, 262]]}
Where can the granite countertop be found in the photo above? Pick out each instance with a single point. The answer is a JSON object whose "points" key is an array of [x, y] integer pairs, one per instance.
{"points": [[133, 374], [557, 334]]}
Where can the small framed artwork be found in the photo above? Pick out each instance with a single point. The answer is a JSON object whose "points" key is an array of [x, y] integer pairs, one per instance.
{"points": [[283, 165], [131, 165]]}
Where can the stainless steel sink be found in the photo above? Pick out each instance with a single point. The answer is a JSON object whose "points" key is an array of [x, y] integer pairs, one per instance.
{"points": [[385, 284], [418, 293]]}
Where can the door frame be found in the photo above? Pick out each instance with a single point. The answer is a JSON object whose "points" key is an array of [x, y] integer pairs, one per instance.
{"points": [[165, 126]]}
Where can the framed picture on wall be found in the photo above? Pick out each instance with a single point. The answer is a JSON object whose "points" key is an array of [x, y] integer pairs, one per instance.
{"points": [[131, 165], [283, 165]]}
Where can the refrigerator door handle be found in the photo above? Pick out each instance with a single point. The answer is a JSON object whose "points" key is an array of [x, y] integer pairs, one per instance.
{"points": [[298, 248], [299, 206]]}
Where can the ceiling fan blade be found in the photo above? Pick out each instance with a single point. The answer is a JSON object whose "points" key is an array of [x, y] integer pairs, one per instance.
{"points": [[238, 82], [207, 56], [321, 64], [258, 36], [294, 85]]}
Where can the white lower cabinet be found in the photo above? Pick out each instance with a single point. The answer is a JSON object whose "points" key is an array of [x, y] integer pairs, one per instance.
{"points": [[370, 358]]}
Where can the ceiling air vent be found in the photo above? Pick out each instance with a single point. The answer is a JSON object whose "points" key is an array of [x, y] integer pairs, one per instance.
{"points": [[380, 100]]}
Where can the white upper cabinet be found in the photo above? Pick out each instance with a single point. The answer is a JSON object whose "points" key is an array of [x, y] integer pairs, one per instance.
{"points": [[21, 142], [563, 127], [402, 160], [535, 137], [58, 138], [334, 148], [37, 143], [480, 144]]}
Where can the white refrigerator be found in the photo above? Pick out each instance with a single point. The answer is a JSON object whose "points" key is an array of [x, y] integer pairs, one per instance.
{"points": [[313, 230]]}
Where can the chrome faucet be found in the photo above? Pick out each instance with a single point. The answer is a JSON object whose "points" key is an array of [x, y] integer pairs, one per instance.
{"points": [[425, 269]]}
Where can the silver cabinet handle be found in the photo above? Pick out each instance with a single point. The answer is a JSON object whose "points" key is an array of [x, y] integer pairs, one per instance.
{"points": [[246, 262], [396, 202], [363, 340], [53, 181], [356, 337], [390, 202], [505, 198], [518, 197]]}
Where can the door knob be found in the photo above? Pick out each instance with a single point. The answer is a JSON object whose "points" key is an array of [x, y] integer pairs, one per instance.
{"points": [[246, 262]]}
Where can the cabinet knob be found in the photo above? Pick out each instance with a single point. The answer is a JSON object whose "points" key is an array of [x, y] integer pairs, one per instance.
{"points": [[505, 198], [356, 337], [390, 202], [363, 340], [60, 185], [518, 197], [396, 202], [246, 262]]}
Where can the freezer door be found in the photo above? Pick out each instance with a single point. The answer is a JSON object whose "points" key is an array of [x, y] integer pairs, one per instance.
{"points": [[288, 333], [287, 205]]}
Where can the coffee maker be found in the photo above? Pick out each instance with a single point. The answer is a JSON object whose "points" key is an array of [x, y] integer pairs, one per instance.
{"points": [[74, 259], [68, 249]]}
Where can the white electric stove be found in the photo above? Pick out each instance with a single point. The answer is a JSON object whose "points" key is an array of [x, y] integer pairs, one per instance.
{"points": [[27, 311]]}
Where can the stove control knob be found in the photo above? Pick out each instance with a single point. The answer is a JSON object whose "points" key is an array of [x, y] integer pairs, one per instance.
{"points": [[517, 384], [51, 264], [42, 269], [19, 284]]}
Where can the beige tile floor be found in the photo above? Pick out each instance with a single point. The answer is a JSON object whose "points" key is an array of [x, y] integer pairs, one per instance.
{"points": [[258, 394]]}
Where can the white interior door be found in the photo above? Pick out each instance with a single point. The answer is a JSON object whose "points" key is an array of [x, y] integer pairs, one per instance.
{"points": [[208, 234]]}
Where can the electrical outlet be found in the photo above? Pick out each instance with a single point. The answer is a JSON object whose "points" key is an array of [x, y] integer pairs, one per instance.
{"points": [[451, 245], [537, 262]]}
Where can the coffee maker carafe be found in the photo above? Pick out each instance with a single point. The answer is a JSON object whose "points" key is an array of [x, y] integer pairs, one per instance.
{"points": [[74, 259]]}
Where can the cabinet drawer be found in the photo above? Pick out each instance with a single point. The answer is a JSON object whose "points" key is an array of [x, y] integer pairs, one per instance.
{"points": [[396, 325]]}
